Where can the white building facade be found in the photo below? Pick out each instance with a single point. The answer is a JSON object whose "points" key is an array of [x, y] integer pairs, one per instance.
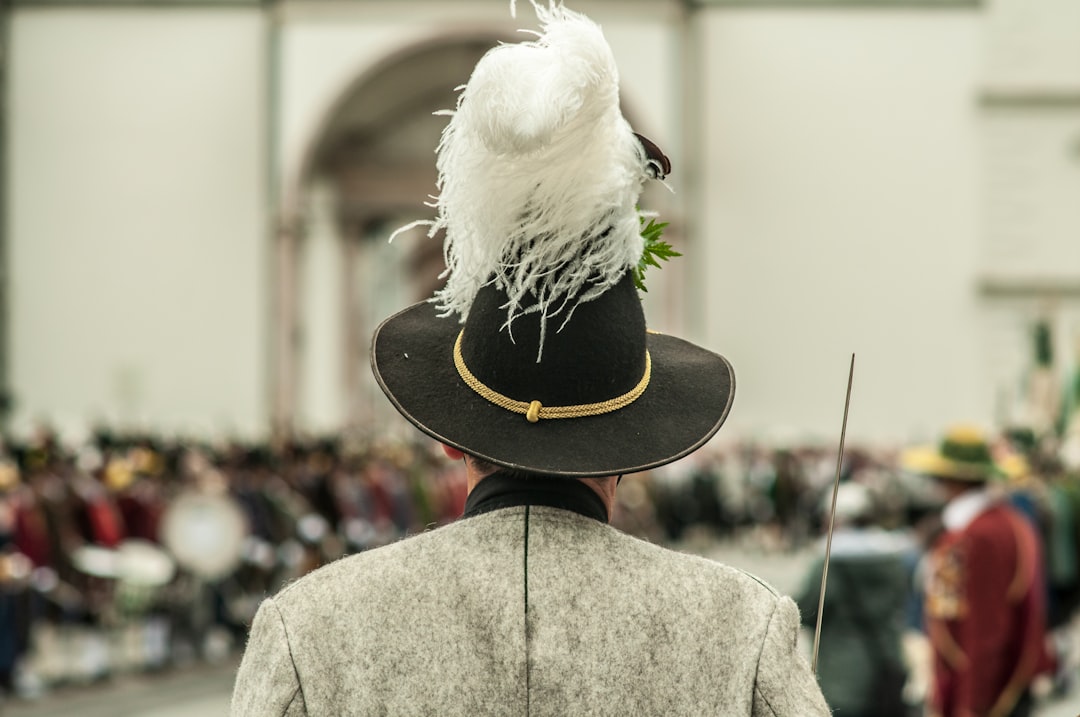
{"points": [[197, 197]]}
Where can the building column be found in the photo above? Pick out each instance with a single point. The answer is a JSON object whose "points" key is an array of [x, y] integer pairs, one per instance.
{"points": [[286, 330]]}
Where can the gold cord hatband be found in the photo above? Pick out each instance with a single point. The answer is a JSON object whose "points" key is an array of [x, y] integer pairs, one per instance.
{"points": [[533, 410]]}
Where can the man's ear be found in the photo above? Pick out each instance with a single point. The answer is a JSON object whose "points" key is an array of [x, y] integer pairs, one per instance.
{"points": [[452, 453]]}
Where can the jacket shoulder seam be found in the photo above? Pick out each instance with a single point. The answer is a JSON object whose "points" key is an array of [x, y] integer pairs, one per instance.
{"points": [[292, 659], [761, 651]]}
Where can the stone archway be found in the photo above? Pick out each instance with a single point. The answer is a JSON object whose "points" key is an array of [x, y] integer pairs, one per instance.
{"points": [[370, 171]]}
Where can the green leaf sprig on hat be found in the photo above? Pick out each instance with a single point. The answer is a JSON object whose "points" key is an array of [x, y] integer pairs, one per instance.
{"points": [[654, 251]]}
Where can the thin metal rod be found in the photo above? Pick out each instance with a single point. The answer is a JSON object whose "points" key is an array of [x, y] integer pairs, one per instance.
{"points": [[832, 518], [6, 173]]}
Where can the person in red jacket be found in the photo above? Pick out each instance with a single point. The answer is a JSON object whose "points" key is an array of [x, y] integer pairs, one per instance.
{"points": [[985, 605]]}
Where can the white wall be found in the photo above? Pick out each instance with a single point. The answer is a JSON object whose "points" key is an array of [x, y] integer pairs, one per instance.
{"points": [[136, 217], [1029, 185], [843, 206], [1033, 44], [840, 157]]}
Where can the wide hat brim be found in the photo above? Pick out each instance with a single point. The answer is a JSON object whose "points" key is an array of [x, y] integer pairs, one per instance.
{"points": [[931, 461], [963, 454], [689, 396]]}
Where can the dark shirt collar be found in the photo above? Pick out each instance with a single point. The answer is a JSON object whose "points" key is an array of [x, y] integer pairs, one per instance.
{"points": [[498, 490]]}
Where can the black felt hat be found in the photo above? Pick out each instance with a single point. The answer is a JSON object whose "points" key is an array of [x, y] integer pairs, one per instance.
{"points": [[535, 355], [601, 355]]}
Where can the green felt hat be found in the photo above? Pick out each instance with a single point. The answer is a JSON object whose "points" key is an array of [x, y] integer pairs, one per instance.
{"points": [[963, 454]]}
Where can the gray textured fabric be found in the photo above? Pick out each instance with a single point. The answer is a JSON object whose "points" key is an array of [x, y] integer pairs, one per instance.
{"points": [[525, 611]]}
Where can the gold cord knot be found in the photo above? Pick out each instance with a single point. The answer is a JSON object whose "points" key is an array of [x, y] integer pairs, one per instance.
{"points": [[533, 414]]}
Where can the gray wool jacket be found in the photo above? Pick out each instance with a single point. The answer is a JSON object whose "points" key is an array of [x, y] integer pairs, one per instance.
{"points": [[526, 610]]}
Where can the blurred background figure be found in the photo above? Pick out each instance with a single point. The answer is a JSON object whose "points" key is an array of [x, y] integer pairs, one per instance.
{"points": [[986, 591], [861, 665], [14, 571]]}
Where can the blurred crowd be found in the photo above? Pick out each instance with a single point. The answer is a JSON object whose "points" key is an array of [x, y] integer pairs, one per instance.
{"points": [[886, 518], [141, 553], [133, 552]]}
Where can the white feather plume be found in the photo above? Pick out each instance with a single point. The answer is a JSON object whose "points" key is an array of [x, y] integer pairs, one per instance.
{"points": [[539, 175]]}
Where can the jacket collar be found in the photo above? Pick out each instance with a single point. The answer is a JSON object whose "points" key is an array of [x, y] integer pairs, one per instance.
{"points": [[962, 510], [499, 490]]}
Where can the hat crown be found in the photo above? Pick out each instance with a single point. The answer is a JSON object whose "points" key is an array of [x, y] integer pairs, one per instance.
{"points": [[967, 445], [594, 358]]}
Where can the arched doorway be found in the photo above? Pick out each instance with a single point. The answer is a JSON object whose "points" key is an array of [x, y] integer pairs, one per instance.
{"points": [[369, 171]]}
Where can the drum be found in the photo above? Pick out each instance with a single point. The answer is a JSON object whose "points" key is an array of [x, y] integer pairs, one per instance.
{"points": [[140, 562], [95, 561], [205, 533], [142, 571]]}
